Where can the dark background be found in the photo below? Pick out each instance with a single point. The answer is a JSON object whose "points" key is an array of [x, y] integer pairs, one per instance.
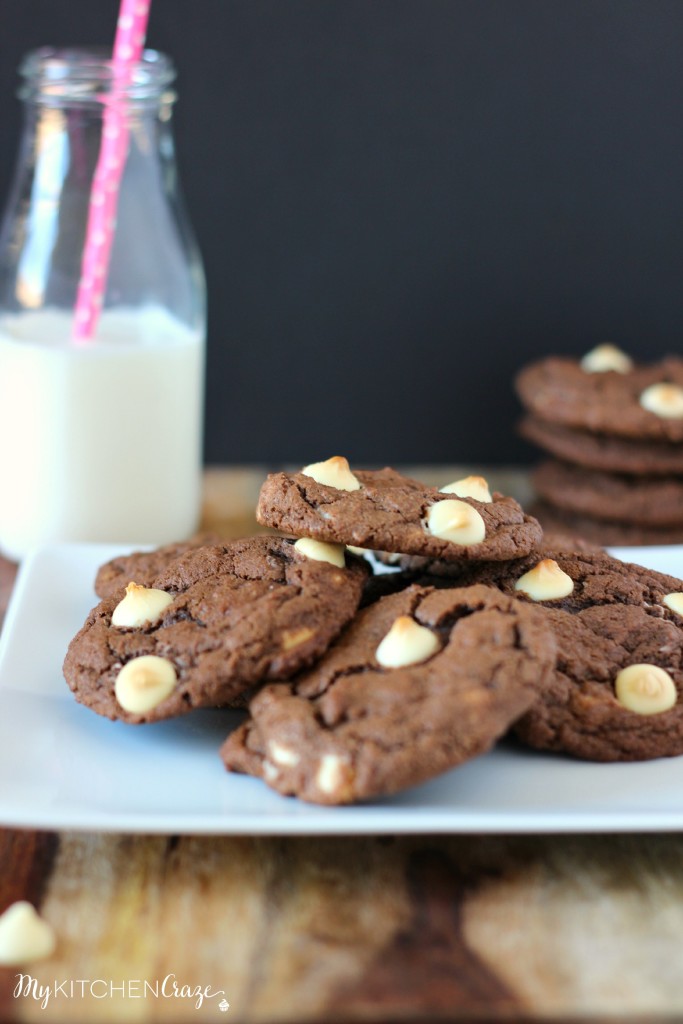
{"points": [[399, 202]]}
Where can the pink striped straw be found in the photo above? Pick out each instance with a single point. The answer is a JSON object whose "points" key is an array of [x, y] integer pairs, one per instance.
{"points": [[104, 196]]}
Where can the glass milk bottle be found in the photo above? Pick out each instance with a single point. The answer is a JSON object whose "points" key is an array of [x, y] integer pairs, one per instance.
{"points": [[100, 440]]}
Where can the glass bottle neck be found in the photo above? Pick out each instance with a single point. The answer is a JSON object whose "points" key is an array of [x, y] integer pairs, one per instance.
{"points": [[89, 80], [41, 115], [154, 262]]}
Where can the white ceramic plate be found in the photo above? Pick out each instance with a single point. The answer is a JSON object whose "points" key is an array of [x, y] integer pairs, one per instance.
{"points": [[63, 767]]}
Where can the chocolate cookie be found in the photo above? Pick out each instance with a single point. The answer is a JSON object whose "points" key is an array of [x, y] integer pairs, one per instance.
{"points": [[575, 580], [386, 511], [600, 451], [602, 532], [645, 403], [641, 501], [354, 728], [431, 570], [215, 622], [144, 566], [601, 649], [607, 617]]}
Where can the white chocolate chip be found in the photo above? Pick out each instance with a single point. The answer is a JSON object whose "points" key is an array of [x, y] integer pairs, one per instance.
{"points": [[143, 683], [674, 602], [545, 582], [334, 775], [664, 400], [140, 606], [319, 551], [606, 357], [335, 472], [645, 689], [270, 772], [283, 755], [292, 638], [406, 643], [456, 521], [24, 936], [469, 487]]}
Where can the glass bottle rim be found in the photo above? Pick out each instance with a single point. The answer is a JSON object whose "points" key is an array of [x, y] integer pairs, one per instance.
{"points": [[76, 75]]}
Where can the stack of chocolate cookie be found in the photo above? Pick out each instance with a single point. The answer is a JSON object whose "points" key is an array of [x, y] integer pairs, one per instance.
{"points": [[360, 683], [615, 431]]}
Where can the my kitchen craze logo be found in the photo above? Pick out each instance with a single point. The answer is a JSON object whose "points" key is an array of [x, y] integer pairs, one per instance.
{"points": [[28, 987]]}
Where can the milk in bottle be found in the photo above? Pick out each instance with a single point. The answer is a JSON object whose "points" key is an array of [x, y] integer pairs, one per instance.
{"points": [[100, 440]]}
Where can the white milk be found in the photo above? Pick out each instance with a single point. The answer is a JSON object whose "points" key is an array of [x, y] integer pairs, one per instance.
{"points": [[99, 442]]}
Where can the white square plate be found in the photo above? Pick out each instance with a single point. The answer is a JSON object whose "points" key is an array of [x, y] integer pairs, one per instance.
{"points": [[63, 767]]}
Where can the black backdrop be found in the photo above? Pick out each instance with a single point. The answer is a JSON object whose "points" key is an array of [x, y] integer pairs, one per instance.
{"points": [[401, 201]]}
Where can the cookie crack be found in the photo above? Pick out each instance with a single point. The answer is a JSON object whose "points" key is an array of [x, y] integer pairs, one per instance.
{"points": [[313, 505], [379, 501]]}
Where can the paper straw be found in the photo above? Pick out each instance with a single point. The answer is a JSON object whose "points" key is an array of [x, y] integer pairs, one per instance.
{"points": [[128, 45]]}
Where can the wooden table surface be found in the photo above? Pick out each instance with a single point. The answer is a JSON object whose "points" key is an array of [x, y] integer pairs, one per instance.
{"points": [[374, 929]]}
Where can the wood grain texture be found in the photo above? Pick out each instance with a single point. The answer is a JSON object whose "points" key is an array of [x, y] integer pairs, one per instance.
{"points": [[371, 929], [25, 857], [406, 930], [26, 860], [8, 573]]}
